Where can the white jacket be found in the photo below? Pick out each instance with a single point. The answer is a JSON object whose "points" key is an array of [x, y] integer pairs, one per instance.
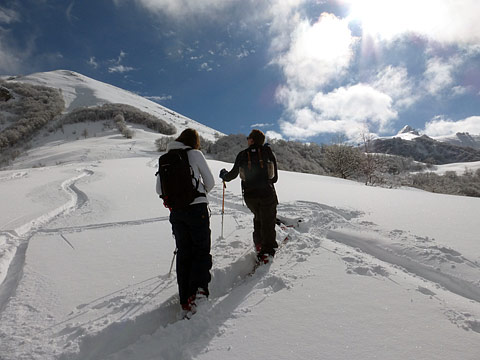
{"points": [[201, 171]]}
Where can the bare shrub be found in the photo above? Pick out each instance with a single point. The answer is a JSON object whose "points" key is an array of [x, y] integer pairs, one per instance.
{"points": [[122, 126], [343, 160], [129, 113]]}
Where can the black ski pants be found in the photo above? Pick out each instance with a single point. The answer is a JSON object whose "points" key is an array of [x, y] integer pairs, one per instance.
{"points": [[264, 211], [191, 228]]}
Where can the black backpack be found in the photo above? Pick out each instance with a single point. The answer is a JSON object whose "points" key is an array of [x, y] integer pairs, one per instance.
{"points": [[257, 169], [176, 175]]}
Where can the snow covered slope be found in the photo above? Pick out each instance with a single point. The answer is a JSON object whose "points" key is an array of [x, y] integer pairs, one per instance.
{"points": [[81, 91], [462, 139], [86, 248]]}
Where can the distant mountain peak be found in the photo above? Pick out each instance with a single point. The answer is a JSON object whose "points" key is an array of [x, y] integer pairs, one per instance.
{"points": [[407, 129]]}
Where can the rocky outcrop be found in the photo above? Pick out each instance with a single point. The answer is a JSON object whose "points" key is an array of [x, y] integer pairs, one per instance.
{"points": [[5, 94]]}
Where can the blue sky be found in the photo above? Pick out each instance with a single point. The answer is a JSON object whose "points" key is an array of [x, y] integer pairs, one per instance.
{"points": [[297, 69]]}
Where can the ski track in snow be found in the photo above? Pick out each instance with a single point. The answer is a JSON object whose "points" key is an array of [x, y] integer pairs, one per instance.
{"points": [[15, 242], [126, 318], [232, 285], [454, 284]]}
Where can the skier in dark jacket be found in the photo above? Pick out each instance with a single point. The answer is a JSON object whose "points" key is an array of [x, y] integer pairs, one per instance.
{"points": [[257, 167]]}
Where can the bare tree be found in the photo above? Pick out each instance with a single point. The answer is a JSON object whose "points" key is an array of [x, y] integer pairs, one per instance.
{"points": [[343, 160], [372, 164]]}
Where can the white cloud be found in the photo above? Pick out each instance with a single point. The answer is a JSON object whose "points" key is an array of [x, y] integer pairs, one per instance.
{"points": [[250, 10], [205, 67], [346, 110], [120, 69], [318, 53], [10, 57], [358, 103], [92, 62], [283, 18], [309, 123], [442, 127], [260, 125], [159, 98], [69, 12], [440, 20], [293, 98], [438, 74], [273, 135], [8, 16], [394, 82], [244, 53], [181, 8], [460, 90], [121, 56], [9, 62], [315, 57]]}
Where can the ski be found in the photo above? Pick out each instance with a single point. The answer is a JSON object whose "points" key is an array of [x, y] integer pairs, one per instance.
{"points": [[258, 264], [285, 225], [285, 222]]}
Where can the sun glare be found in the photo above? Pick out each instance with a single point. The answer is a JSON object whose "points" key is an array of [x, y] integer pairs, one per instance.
{"points": [[388, 18]]}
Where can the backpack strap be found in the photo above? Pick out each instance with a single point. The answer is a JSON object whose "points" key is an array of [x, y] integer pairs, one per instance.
{"points": [[197, 181], [260, 158]]}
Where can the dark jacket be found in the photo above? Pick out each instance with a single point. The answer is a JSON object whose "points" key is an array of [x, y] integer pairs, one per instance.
{"points": [[257, 185]]}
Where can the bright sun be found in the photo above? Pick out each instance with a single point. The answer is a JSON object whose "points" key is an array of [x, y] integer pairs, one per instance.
{"points": [[388, 18]]}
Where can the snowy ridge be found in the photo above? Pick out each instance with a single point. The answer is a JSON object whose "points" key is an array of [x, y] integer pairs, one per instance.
{"points": [[81, 91], [462, 139]]}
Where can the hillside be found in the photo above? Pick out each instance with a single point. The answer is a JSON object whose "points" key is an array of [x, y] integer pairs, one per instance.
{"points": [[81, 91], [462, 139], [86, 248], [426, 149], [35, 107]]}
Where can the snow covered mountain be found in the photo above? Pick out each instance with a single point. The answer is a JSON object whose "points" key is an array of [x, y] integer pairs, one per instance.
{"points": [[86, 249], [459, 139], [407, 133], [81, 91], [462, 139], [411, 144]]}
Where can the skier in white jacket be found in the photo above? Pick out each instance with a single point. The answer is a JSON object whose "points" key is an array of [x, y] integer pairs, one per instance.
{"points": [[191, 227]]}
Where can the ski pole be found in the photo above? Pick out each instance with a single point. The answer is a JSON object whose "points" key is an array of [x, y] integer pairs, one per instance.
{"points": [[223, 205], [171, 265]]}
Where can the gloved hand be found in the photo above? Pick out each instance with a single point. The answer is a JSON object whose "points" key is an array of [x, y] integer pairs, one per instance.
{"points": [[223, 173]]}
